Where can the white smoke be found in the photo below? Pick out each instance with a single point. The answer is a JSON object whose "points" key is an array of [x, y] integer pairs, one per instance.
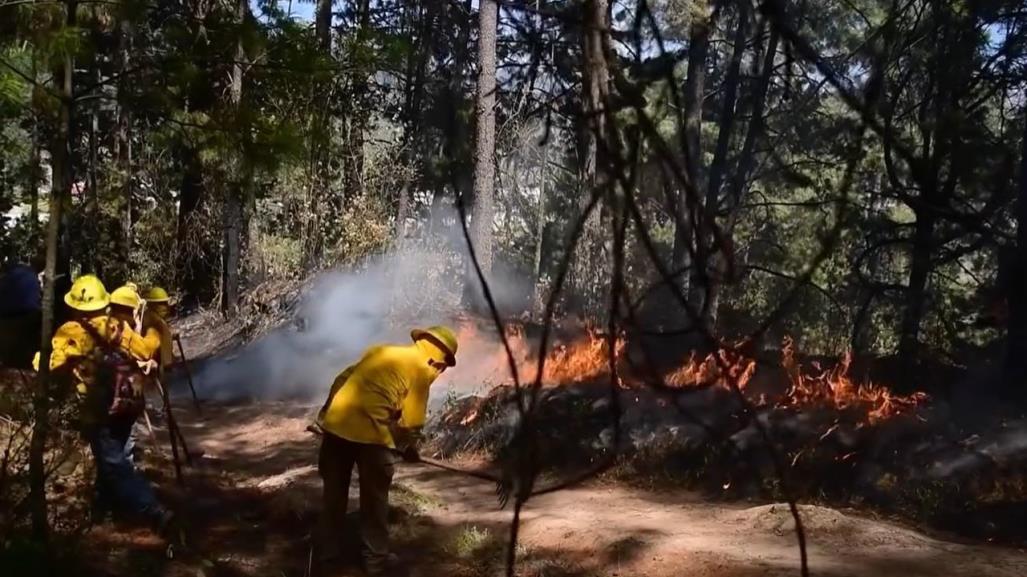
{"points": [[343, 312]]}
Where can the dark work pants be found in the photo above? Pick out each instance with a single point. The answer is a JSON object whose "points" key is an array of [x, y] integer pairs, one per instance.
{"points": [[375, 466], [119, 486]]}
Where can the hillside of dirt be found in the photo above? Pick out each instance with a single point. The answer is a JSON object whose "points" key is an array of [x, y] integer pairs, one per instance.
{"points": [[921, 465], [253, 497]]}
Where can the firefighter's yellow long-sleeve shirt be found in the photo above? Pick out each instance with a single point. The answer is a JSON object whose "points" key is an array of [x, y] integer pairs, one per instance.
{"points": [[389, 385], [73, 345], [156, 330]]}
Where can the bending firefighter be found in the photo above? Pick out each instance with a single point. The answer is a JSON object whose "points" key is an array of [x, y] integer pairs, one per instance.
{"points": [[97, 353], [374, 406]]}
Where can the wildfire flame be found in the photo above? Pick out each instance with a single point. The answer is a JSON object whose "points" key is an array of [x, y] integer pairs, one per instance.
{"points": [[587, 359], [582, 360]]}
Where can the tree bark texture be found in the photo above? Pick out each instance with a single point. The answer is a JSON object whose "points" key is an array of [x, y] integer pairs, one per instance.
{"points": [[323, 25], [92, 229], [319, 166], [586, 275], [695, 81], [949, 75], [416, 69], [62, 179], [34, 177], [123, 145], [485, 142], [717, 168], [362, 64], [747, 158], [233, 211]]}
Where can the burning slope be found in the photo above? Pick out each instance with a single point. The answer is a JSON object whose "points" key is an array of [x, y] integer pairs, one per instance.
{"points": [[832, 388], [586, 359], [484, 359]]}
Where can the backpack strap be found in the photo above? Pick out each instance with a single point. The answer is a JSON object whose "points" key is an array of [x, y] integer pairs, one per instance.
{"points": [[105, 343]]}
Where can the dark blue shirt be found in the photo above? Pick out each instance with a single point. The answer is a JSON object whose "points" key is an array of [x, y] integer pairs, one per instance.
{"points": [[19, 291]]}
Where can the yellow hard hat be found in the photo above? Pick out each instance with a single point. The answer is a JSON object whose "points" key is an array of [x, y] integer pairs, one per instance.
{"points": [[87, 294], [442, 336], [126, 296], [156, 295]]}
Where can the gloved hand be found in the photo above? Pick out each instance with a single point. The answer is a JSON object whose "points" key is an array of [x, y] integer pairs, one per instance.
{"points": [[410, 454]]}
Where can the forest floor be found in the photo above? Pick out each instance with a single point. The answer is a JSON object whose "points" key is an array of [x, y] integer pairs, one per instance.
{"points": [[252, 500]]}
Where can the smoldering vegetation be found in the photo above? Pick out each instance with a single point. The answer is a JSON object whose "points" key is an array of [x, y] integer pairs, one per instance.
{"points": [[935, 461]]}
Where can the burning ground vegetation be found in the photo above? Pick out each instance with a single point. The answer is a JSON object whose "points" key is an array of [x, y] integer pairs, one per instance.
{"points": [[843, 440]]}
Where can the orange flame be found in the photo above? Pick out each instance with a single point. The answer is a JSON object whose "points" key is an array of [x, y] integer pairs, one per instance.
{"points": [[722, 369], [584, 359], [587, 359]]}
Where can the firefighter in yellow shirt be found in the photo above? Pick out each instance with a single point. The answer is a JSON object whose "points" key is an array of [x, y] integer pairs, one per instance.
{"points": [[76, 344], [127, 307], [380, 400], [158, 311]]}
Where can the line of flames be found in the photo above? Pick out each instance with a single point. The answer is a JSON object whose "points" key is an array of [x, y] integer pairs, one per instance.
{"points": [[587, 359]]}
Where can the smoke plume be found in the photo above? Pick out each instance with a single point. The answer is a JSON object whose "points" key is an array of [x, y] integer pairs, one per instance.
{"points": [[343, 312]]}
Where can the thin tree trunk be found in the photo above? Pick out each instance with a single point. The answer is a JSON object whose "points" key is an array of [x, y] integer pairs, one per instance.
{"points": [[320, 130], [1016, 329], [456, 129], [540, 234], [916, 290], [540, 217], [233, 212], [34, 179], [360, 106], [727, 115], [485, 143], [586, 276], [747, 158], [417, 64], [323, 25], [62, 151], [93, 240], [698, 48], [123, 144], [712, 204]]}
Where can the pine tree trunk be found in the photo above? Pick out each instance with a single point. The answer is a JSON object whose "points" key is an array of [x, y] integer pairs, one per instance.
{"points": [[587, 271], [233, 211], [323, 25], [231, 256], [416, 68], [695, 82], [123, 144], [92, 227], [34, 178], [62, 180], [1016, 329], [540, 234], [747, 158], [916, 290], [717, 169], [359, 105], [456, 129], [320, 130], [485, 143]]}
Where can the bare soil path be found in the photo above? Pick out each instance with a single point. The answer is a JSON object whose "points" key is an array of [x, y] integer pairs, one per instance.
{"points": [[254, 495]]}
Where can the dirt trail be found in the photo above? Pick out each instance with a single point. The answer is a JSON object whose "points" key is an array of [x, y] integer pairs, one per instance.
{"points": [[254, 497]]}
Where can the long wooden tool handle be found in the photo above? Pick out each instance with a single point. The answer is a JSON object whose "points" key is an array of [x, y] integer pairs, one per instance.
{"points": [[188, 373], [171, 432]]}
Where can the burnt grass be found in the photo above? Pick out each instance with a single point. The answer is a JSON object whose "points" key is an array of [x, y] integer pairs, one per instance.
{"points": [[967, 477]]}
